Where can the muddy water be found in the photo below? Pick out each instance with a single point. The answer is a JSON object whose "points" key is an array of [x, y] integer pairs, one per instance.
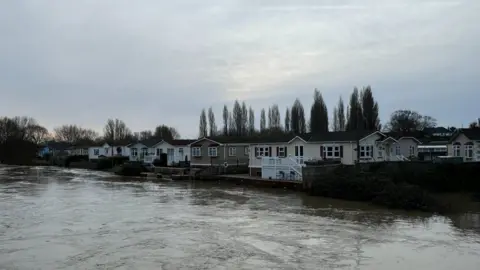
{"points": [[74, 219]]}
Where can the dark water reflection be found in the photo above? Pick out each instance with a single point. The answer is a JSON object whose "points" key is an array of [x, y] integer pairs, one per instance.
{"points": [[75, 219]]}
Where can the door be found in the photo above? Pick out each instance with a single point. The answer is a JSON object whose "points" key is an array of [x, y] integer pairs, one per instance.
{"points": [[170, 155]]}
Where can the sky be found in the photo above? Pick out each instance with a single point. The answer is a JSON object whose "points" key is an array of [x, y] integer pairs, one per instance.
{"points": [[151, 62]]}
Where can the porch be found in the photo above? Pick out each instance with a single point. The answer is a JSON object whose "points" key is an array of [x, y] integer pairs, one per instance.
{"points": [[282, 168], [389, 150]]}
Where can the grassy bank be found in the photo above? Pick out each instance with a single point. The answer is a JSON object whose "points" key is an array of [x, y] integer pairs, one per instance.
{"points": [[403, 185]]}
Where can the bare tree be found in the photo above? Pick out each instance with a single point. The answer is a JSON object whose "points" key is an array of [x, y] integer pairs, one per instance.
{"points": [[251, 121], [341, 115], [74, 134], [145, 135], [166, 133], [244, 119], [287, 120], [211, 122], [407, 120], [202, 128], [263, 121], [225, 120], [275, 117], [116, 130]]}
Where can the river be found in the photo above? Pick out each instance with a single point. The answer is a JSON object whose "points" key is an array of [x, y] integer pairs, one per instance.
{"points": [[76, 219]]}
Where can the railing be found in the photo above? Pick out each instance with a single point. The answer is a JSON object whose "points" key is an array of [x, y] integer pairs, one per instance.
{"points": [[286, 168]]}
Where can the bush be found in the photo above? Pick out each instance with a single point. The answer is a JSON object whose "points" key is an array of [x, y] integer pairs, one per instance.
{"points": [[372, 187]]}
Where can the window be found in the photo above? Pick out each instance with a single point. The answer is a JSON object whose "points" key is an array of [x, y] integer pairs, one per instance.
{"points": [[144, 151], [332, 151], [96, 152], [246, 150], [281, 152], [196, 152], [412, 150], [134, 152], [158, 151], [262, 152], [469, 150], [232, 151], [212, 151], [398, 150], [456, 150], [180, 152], [366, 151], [106, 151], [299, 151]]}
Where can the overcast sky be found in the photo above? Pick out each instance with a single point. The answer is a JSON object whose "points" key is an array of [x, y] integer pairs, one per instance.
{"points": [[151, 62]]}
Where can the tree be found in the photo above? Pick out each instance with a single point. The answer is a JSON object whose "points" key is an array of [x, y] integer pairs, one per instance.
{"points": [[251, 121], [232, 128], [355, 115], [370, 110], [336, 122], [244, 119], [116, 130], [474, 124], [74, 134], [407, 121], [166, 133], [341, 115], [225, 120], [38, 134], [16, 145], [263, 121], [211, 122], [203, 125], [287, 120], [275, 117], [318, 114], [145, 135], [237, 118], [297, 117]]}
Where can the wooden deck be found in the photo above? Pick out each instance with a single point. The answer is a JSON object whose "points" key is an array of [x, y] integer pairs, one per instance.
{"points": [[256, 178]]}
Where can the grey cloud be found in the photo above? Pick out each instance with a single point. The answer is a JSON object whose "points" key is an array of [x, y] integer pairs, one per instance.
{"points": [[152, 62]]}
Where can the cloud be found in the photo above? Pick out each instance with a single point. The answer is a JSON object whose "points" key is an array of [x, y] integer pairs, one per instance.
{"points": [[149, 62]]}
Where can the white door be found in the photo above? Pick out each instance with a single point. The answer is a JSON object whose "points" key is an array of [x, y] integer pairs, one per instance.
{"points": [[170, 155]]}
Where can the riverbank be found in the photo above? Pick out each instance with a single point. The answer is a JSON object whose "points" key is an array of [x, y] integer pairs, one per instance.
{"points": [[408, 186]]}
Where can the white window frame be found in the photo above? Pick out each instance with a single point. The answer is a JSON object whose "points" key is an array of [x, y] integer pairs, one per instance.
{"points": [[468, 151], [212, 151], [365, 151], [457, 150], [106, 151], [262, 151], [331, 151], [145, 151], [246, 150], [134, 152], [398, 150], [96, 152], [180, 151], [232, 151], [281, 151], [196, 152]]}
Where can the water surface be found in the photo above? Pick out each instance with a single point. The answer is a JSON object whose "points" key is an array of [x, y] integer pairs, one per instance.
{"points": [[75, 219]]}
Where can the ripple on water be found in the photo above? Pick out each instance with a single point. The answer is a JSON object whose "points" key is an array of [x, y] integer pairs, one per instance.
{"points": [[75, 219]]}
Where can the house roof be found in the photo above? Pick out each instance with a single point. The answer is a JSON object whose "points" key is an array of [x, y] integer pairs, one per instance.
{"points": [[148, 142], [58, 145], [262, 138], [472, 134], [436, 130], [339, 136], [180, 142]]}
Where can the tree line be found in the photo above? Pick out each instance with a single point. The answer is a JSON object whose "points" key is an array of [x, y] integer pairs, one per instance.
{"points": [[361, 113]]}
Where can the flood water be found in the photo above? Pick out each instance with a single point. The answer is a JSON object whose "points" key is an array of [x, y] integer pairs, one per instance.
{"points": [[75, 219]]}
